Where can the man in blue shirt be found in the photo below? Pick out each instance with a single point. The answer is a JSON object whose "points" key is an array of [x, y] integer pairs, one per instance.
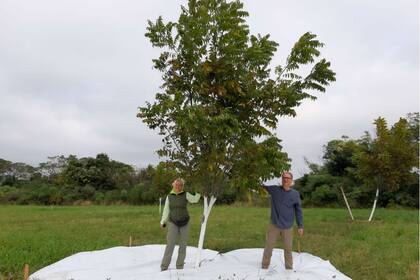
{"points": [[285, 206]]}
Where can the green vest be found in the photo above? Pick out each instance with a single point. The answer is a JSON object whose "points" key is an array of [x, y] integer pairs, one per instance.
{"points": [[178, 213]]}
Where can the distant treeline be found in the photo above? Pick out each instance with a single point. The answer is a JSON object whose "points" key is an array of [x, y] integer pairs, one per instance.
{"points": [[99, 180], [387, 161]]}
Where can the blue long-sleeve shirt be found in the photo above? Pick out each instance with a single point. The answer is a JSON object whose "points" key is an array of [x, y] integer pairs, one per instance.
{"points": [[285, 205]]}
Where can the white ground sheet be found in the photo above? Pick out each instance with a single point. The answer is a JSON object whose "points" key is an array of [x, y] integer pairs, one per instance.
{"points": [[143, 263]]}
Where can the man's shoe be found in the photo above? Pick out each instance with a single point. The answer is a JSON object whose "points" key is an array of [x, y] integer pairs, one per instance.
{"points": [[289, 268], [163, 268]]}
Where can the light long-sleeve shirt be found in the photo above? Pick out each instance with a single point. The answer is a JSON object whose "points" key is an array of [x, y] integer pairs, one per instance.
{"points": [[165, 214]]}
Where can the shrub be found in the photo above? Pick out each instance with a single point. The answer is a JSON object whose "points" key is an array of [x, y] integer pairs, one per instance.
{"points": [[99, 197], [324, 195], [112, 196], [134, 194], [9, 194], [88, 192]]}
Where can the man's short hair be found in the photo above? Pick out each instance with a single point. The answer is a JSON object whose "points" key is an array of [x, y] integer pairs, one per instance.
{"points": [[287, 172]]}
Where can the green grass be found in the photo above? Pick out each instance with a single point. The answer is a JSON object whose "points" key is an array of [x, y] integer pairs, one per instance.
{"points": [[387, 248]]}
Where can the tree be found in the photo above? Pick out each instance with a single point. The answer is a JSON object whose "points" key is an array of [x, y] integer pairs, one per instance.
{"points": [[53, 166], [338, 156], [387, 161], [15, 171], [5, 170], [413, 122], [220, 100], [100, 172]]}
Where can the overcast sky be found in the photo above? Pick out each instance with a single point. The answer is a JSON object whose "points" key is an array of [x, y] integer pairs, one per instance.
{"points": [[73, 72]]}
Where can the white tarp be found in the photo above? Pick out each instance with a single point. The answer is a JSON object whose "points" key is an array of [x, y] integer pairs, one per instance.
{"points": [[143, 263]]}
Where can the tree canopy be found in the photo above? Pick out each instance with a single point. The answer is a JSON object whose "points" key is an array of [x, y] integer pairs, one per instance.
{"points": [[220, 99], [386, 161]]}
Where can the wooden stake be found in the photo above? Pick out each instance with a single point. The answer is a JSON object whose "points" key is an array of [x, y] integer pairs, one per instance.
{"points": [[348, 206], [299, 245], [26, 272], [130, 241]]}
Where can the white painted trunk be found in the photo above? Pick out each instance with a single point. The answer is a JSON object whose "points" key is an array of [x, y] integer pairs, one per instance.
{"points": [[206, 213], [374, 205], [347, 204]]}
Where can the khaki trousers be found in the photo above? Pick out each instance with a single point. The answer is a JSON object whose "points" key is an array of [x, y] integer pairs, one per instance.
{"points": [[271, 238], [173, 232]]}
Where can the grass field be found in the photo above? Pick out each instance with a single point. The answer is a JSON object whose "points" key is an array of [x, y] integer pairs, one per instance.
{"points": [[387, 248]]}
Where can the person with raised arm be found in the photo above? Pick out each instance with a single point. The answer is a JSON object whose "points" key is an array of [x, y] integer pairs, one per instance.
{"points": [[285, 206], [175, 216]]}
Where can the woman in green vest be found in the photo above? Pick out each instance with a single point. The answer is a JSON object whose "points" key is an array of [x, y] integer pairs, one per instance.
{"points": [[175, 216]]}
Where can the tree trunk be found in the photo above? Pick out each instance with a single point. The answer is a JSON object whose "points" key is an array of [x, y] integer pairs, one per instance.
{"points": [[374, 205], [207, 209]]}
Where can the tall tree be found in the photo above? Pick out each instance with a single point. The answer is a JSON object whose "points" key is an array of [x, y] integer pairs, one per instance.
{"points": [[386, 161], [220, 100], [53, 167]]}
